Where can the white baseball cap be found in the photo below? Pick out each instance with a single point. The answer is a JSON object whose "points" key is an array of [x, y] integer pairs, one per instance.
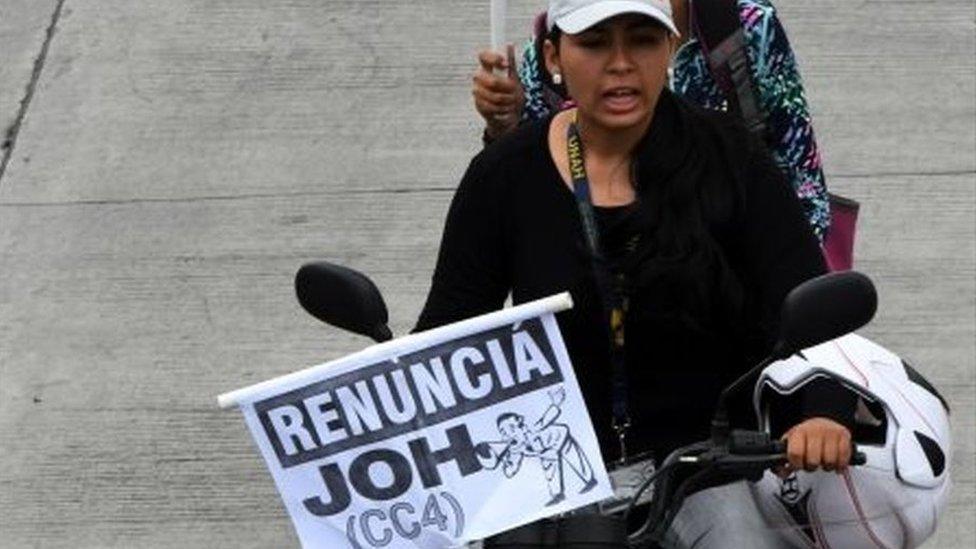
{"points": [[573, 16]]}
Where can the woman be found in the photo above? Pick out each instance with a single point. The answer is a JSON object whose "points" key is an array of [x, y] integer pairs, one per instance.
{"points": [[697, 242], [504, 102]]}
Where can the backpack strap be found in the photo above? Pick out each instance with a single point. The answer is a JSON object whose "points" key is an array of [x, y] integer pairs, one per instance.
{"points": [[717, 25]]}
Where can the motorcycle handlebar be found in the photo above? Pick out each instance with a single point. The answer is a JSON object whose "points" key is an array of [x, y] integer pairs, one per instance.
{"points": [[857, 457], [745, 454], [758, 443]]}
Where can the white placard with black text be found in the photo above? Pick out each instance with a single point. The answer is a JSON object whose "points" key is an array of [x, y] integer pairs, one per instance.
{"points": [[431, 446]]}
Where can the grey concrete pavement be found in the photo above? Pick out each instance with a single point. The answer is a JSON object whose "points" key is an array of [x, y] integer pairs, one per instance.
{"points": [[179, 160], [24, 28], [888, 82]]}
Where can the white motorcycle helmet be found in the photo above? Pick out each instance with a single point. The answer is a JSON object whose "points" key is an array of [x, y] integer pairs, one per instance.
{"points": [[901, 425]]}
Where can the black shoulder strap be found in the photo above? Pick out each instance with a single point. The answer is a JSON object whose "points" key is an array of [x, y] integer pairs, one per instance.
{"points": [[715, 20], [717, 25]]}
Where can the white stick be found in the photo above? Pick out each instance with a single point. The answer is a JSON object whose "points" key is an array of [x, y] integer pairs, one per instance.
{"points": [[499, 10], [404, 345]]}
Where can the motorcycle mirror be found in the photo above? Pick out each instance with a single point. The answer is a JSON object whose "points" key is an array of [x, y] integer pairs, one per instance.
{"points": [[344, 298], [815, 312], [824, 308]]}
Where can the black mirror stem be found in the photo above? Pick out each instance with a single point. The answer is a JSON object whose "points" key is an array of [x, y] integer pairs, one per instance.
{"points": [[381, 333], [720, 423]]}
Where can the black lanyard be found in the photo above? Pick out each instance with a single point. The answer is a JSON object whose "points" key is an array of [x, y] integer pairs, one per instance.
{"points": [[610, 288]]}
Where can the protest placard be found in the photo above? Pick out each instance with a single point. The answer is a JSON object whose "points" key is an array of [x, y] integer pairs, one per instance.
{"points": [[433, 439]]}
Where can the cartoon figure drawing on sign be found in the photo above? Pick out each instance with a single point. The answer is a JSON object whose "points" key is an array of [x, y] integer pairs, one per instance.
{"points": [[551, 442]]}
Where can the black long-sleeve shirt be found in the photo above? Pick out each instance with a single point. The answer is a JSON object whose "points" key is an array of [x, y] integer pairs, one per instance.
{"points": [[513, 226]]}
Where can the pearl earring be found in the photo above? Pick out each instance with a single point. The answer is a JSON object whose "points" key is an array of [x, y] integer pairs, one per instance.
{"points": [[557, 78]]}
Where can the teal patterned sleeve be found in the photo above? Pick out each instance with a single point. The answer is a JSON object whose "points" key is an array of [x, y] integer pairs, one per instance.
{"points": [[529, 71], [780, 92], [781, 97]]}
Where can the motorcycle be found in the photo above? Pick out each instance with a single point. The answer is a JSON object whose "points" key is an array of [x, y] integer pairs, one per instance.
{"points": [[815, 312]]}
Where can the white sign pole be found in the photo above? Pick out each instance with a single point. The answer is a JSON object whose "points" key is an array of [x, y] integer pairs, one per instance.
{"points": [[499, 9]]}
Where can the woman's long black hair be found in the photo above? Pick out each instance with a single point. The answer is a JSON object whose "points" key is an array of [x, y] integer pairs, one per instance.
{"points": [[680, 272]]}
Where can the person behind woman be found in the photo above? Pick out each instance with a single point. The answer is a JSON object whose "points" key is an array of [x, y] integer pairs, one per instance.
{"points": [[694, 224], [504, 101]]}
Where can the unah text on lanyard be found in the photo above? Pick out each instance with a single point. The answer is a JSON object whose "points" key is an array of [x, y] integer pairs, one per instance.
{"points": [[610, 287]]}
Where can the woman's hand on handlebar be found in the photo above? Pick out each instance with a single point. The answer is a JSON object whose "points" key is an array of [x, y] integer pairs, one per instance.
{"points": [[497, 91], [818, 443]]}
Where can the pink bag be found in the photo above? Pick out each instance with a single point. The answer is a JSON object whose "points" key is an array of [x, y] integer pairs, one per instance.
{"points": [[838, 246]]}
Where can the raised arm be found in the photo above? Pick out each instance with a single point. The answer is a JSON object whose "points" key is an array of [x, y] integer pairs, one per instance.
{"points": [[498, 93], [535, 99], [557, 396]]}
